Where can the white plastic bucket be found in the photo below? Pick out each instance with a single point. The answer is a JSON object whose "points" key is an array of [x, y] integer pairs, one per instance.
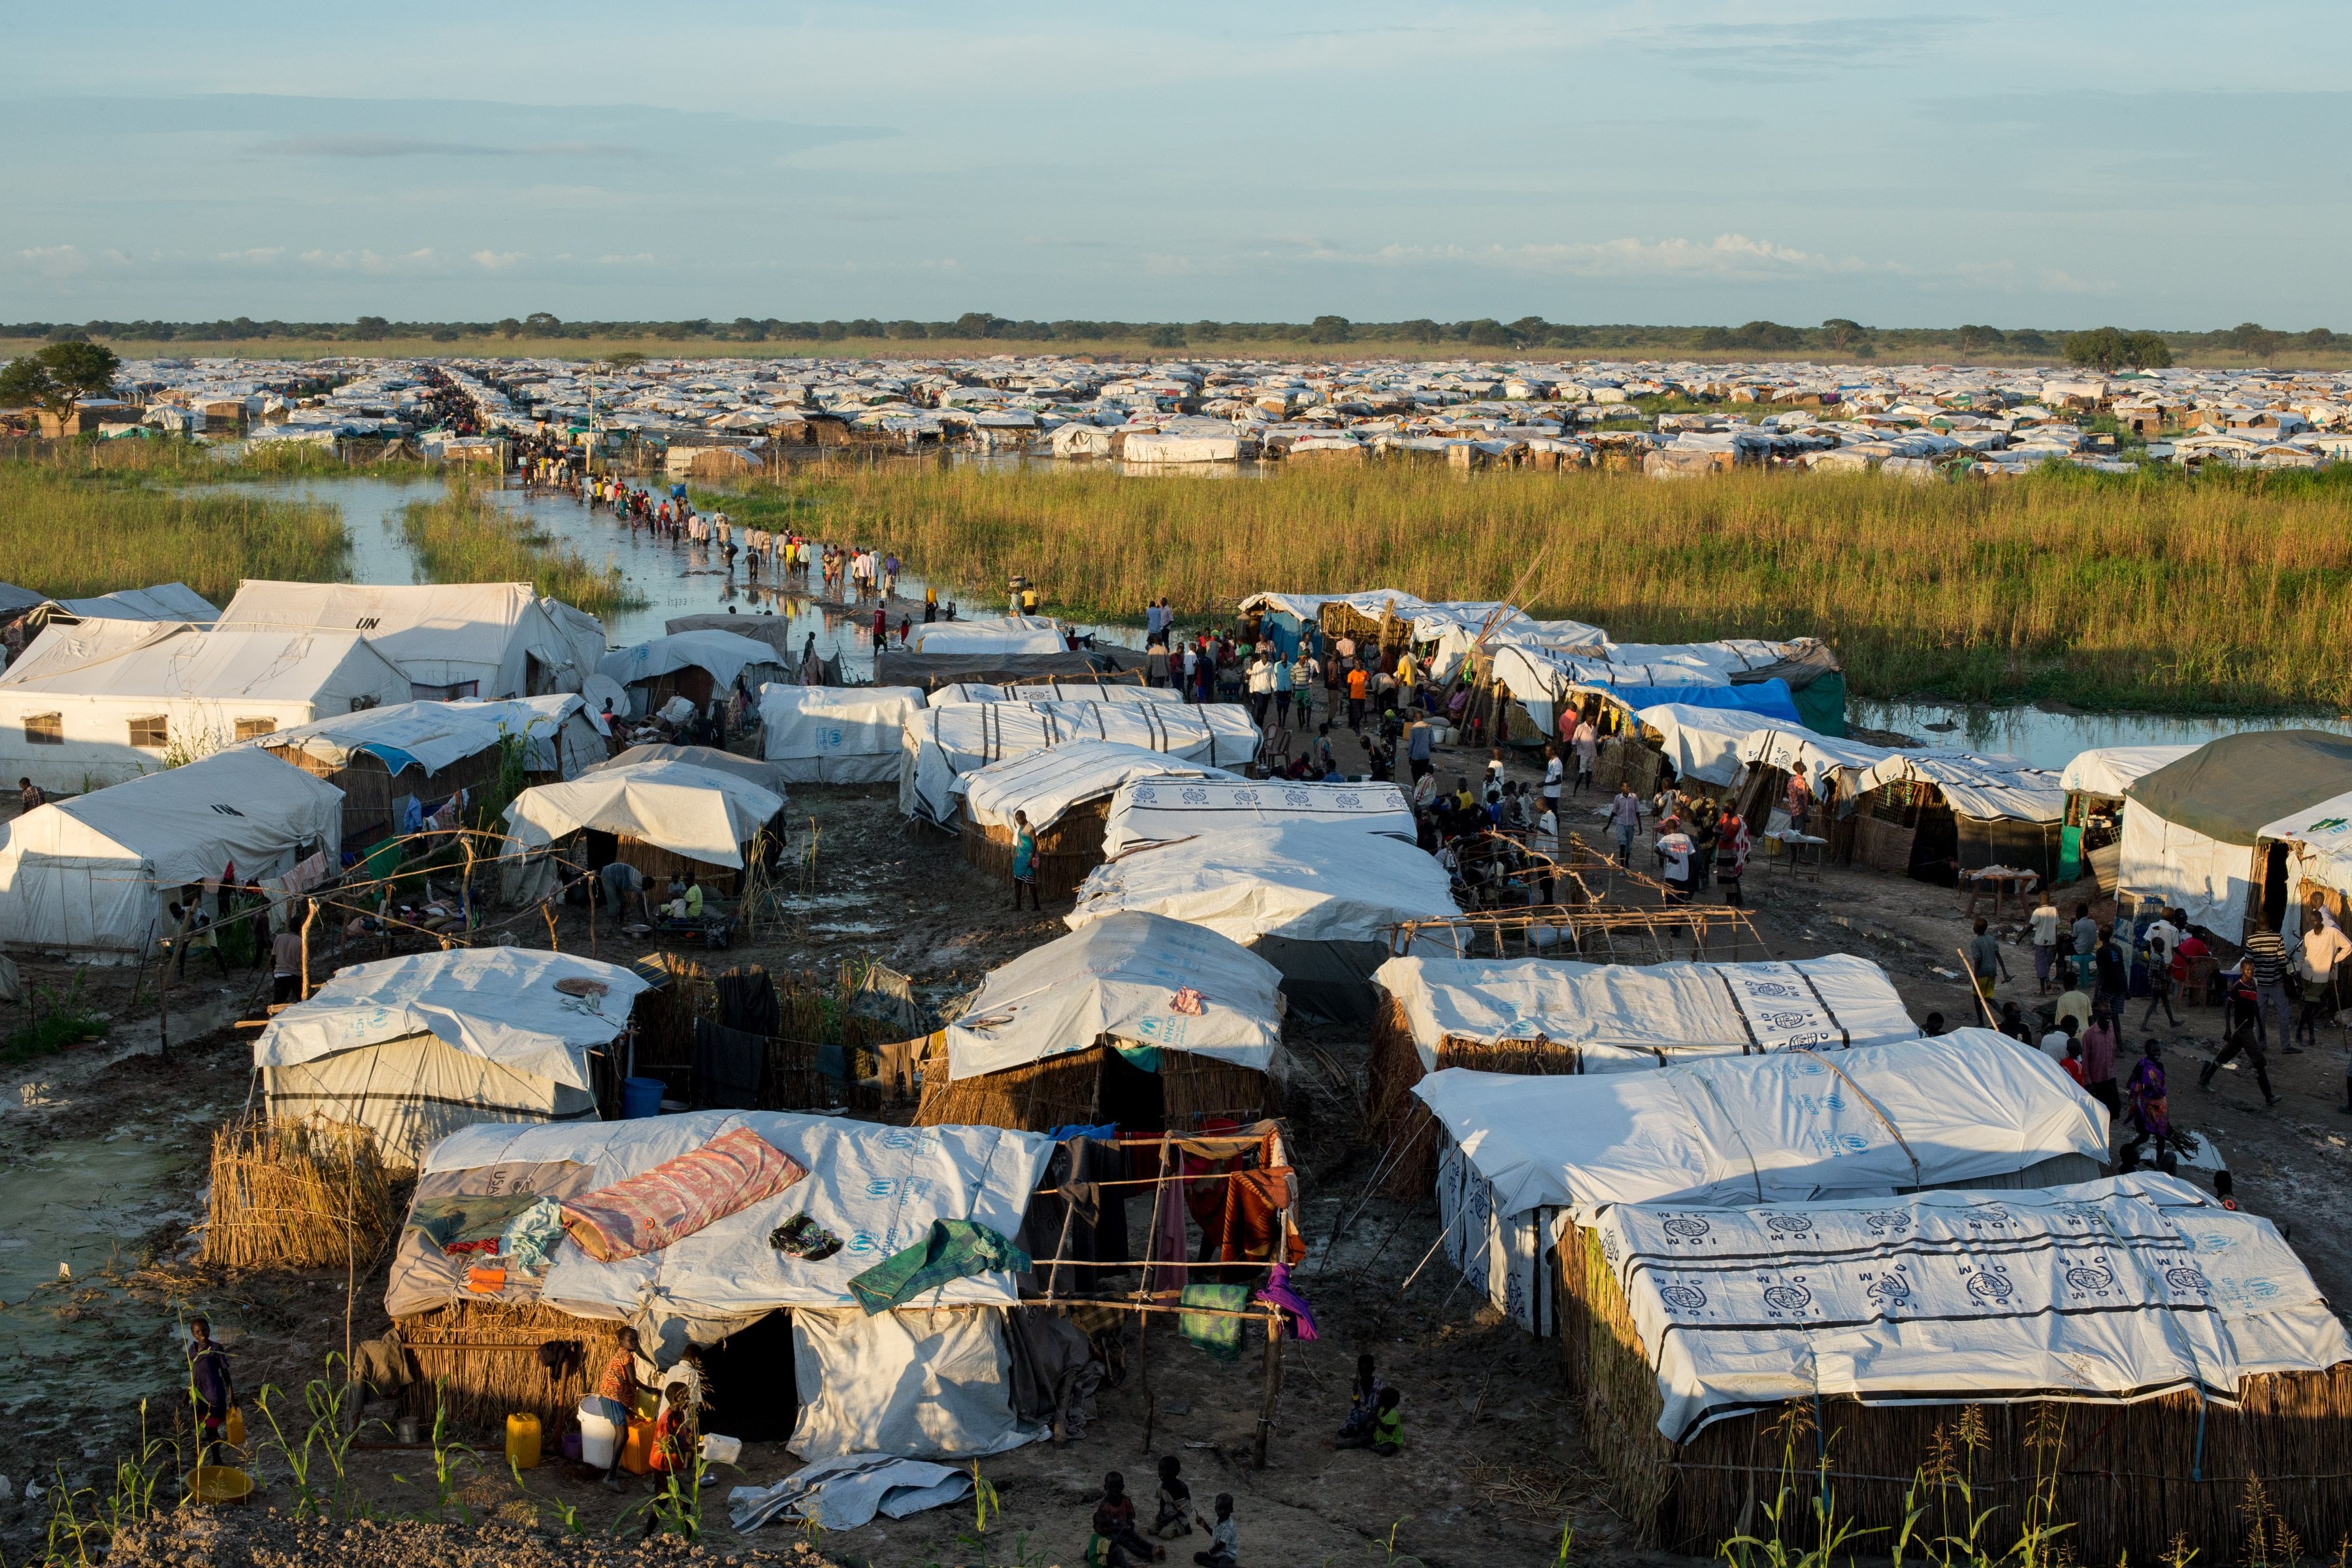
{"points": [[719, 1450], [600, 1439]]}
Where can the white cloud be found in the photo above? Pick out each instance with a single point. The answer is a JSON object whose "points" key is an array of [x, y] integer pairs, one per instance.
{"points": [[1725, 256], [372, 263], [54, 260], [496, 259], [260, 256]]}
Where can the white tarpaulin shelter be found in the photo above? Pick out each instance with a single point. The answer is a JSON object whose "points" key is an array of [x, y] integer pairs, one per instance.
{"points": [[163, 602], [418, 1047], [1981, 787], [95, 703], [1006, 634], [942, 744], [2113, 1290], [766, 776], [1076, 690], [1305, 881], [699, 813], [95, 873], [2192, 827], [1822, 758], [556, 730], [453, 639], [1114, 980], [2318, 839], [724, 655], [1144, 814], [1048, 784], [1703, 744], [1622, 1016], [2108, 770], [915, 1380], [1171, 447], [1972, 1108], [838, 734]]}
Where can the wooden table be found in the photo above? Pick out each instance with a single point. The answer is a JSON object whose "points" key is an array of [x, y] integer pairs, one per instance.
{"points": [[1800, 855], [2004, 885]]}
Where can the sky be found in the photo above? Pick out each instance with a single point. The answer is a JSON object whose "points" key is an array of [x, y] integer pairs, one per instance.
{"points": [[2147, 165]]}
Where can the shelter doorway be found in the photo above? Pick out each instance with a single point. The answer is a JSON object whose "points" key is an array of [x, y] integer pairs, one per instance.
{"points": [[1130, 1096], [2275, 868], [749, 1383], [603, 848]]}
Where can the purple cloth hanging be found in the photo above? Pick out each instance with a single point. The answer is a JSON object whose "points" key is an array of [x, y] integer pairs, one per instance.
{"points": [[1276, 1292]]}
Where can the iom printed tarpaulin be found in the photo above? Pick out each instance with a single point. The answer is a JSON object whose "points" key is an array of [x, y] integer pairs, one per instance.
{"points": [[836, 734], [2191, 828], [1146, 813], [2115, 1291], [1969, 1108], [1118, 979], [1626, 1017]]}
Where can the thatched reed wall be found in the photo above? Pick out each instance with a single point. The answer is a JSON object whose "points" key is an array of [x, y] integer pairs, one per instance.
{"points": [[1400, 1124], [1371, 635], [369, 787], [812, 1011], [2128, 1478], [1067, 1091], [1065, 851], [482, 1361], [298, 1194]]}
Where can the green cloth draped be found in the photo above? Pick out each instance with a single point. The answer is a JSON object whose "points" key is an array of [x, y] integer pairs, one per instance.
{"points": [[953, 1249]]}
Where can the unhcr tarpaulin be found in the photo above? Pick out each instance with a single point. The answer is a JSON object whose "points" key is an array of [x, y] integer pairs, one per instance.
{"points": [[1145, 813], [1119, 978], [689, 811], [1045, 784], [916, 1381], [1305, 881], [942, 744], [766, 776], [1969, 1108], [1702, 740], [94, 874], [2114, 1291], [838, 734], [1621, 1016], [2191, 828], [419, 1045], [1006, 635]]}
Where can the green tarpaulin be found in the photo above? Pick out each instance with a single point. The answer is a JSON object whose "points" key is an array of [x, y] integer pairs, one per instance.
{"points": [[2228, 789]]}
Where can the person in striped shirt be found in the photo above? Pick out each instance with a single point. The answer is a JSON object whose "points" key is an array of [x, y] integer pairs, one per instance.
{"points": [[2266, 953]]}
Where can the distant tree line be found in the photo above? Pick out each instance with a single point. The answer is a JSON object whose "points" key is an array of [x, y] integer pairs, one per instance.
{"points": [[2101, 348]]}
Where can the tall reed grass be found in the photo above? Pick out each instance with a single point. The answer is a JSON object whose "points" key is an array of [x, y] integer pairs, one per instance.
{"points": [[70, 532], [465, 537], [2164, 592]]}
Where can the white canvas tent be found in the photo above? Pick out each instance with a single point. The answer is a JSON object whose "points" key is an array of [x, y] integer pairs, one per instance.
{"points": [[95, 703], [1006, 634], [1972, 1108], [1313, 900], [694, 812], [456, 640], [1046, 784], [838, 734], [1145, 813], [2095, 1299], [94, 874], [766, 776], [1113, 980], [2106, 772], [555, 732], [163, 602], [2193, 829], [930, 1378], [723, 656], [1618, 1018], [942, 743], [416, 1048]]}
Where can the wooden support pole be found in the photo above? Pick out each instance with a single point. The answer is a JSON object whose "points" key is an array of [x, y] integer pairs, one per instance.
{"points": [[309, 913], [1273, 1394]]}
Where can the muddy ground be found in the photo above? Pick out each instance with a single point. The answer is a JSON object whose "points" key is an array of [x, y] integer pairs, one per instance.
{"points": [[105, 1147]]}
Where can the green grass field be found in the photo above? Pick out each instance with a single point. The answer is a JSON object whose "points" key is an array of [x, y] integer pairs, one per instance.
{"points": [[462, 537], [2223, 592]]}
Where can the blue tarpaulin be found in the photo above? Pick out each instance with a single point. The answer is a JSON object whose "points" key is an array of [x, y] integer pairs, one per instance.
{"points": [[1765, 698]]}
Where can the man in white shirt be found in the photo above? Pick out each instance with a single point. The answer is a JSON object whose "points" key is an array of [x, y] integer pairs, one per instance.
{"points": [[1554, 771], [1588, 747], [2054, 1043], [2325, 946], [1674, 855], [2044, 922]]}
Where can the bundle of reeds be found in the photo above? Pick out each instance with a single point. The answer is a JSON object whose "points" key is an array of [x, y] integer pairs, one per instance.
{"points": [[298, 1194], [2126, 1480], [483, 1361]]}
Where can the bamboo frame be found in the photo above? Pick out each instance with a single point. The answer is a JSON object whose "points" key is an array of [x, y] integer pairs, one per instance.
{"points": [[1718, 933]]}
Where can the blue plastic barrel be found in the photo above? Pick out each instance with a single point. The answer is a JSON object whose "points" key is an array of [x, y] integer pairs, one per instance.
{"points": [[640, 1097]]}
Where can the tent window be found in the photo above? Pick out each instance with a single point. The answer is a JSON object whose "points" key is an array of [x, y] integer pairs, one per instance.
{"points": [[253, 729], [153, 734], [455, 691], [361, 704], [44, 729]]}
